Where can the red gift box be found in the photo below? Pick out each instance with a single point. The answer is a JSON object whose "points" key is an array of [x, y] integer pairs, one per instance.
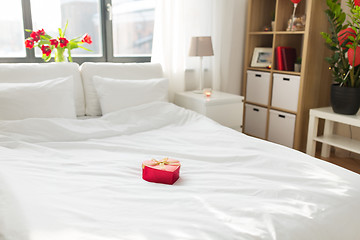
{"points": [[163, 171]]}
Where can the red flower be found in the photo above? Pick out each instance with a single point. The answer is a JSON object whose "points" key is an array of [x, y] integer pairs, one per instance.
{"points": [[29, 43], [344, 34], [296, 1], [46, 50], [35, 36], [63, 42], [40, 32], [357, 2], [87, 38], [54, 42]]}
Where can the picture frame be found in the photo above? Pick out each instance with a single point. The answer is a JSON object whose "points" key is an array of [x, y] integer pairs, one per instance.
{"points": [[262, 57]]}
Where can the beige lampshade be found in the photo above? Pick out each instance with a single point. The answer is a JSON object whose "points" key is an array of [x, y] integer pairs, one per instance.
{"points": [[201, 46]]}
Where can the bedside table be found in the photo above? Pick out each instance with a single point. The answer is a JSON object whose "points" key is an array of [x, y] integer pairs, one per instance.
{"points": [[224, 108]]}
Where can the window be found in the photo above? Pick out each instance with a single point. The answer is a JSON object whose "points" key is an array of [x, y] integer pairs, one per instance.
{"points": [[83, 16], [121, 30], [133, 25], [12, 29]]}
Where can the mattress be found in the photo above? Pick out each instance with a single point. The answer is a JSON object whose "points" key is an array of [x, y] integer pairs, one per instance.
{"points": [[81, 179]]}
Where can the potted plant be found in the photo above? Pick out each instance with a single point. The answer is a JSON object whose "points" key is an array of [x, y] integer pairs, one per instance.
{"points": [[343, 40], [297, 64]]}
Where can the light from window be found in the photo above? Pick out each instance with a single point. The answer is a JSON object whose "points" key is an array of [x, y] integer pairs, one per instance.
{"points": [[133, 27], [83, 16], [12, 29]]}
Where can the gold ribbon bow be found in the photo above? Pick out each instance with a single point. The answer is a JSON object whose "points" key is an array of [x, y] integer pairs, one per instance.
{"points": [[163, 162]]}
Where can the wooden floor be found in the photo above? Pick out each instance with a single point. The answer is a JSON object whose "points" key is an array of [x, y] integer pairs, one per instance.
{"points": [[348, 163]]}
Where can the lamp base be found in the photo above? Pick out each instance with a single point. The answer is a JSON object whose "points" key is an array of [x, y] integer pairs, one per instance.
{"points": [[198, 91]]}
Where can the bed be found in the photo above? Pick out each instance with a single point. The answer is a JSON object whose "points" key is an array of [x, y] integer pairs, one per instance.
{"points": [[74, 178]]}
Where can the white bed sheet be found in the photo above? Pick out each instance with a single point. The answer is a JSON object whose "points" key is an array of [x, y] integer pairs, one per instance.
{"points": [[81, 179]]}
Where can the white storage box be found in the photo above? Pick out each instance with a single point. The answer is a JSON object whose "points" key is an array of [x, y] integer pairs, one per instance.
{"points": [[257, 87], [281, 128], [285, 92], [255, 120]]}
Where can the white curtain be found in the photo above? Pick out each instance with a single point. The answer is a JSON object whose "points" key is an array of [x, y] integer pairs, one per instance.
{"points": [[229, 40], [177, 21], [168, 42]]}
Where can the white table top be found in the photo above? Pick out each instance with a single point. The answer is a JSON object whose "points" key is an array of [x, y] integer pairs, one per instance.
{"points": [[328, 113], [215, 98]]}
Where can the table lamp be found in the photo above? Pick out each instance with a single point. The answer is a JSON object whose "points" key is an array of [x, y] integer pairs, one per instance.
{"points": [[201, 47]]}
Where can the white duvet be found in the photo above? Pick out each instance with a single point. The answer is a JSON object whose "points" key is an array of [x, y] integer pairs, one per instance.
{"points": [[81, 180]]}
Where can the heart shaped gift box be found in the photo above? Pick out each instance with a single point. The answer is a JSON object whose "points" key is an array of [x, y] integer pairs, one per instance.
{"points": [[163, 171]]}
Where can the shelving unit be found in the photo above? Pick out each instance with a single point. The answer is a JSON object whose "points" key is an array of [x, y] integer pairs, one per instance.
{"points": [[315, 77]]}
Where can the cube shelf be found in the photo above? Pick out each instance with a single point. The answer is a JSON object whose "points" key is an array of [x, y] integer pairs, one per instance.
{"points": [[312, 88]]}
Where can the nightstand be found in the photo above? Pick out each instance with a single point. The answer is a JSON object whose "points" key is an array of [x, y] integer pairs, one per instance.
{"points": [[224, 108]]}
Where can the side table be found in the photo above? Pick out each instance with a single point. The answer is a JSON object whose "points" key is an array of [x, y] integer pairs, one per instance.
{"points": [[329, 139], [224, 108]]}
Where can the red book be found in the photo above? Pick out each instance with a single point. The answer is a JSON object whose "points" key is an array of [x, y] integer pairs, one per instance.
{"points": [[289, 58], [279, 59]]}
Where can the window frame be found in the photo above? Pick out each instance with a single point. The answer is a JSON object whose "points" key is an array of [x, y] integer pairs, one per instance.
{"points": [[106, 36]]}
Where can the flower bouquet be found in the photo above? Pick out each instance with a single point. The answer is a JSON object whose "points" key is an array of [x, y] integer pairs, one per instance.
{"points": [[48, 44]]}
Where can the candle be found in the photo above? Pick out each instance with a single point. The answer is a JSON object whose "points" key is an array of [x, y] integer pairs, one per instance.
{"points": [[207, 92]]}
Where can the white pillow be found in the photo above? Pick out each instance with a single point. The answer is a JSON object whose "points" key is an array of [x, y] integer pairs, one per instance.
{"points": [[118, 94], [47, 99], [125, 71], [38, 72]]}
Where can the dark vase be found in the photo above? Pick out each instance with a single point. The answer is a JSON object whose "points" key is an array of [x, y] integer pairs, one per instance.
{"points": [[345, 100]]}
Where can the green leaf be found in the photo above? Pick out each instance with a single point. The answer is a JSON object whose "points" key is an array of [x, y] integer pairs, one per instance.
{"points": [[337, 10], [85, 48], [342, 18], [329, 60], [42, 42], [329, 3], [351, 38], [46, 58], [72, 45], [327, 38], [48, 37], [329, 41], [324, 34], [76, 39], [69, 54], [60, 33], [42, 38], [329, 13], [339, 28], [28, 30], [66, 25]]}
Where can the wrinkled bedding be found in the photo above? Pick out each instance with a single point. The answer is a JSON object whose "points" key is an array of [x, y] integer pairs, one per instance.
{"points": [[81, 180]]}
